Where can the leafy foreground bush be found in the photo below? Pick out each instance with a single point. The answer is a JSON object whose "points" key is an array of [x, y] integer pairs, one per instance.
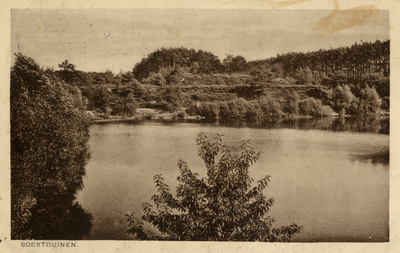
{"points": [[220, 207]]}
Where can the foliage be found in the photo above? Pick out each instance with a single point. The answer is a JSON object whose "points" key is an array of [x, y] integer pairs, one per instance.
{"points": [[212, 95], [236, 109], [293, 103], [174, 76], [260, 76], [277, 70], [155, 79], [304, 75], [49, 152], [343, 98], [67, 72], [270, 106], [378, 81], [195, 68], [126, 77], [109, 77], [234, 63], [172, 98], [77, 95], [209, 110], [369, 102], [200, 61], [217, 80], [125, 106], [70, 75], [101, 98], [362, 64], [354, 62], [314, 107], [224, 206]]}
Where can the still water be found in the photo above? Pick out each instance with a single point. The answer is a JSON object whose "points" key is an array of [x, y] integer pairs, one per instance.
{"points": [[321, 176]]}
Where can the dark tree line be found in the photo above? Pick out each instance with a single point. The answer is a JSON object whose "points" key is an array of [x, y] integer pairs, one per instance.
{"points": [[198, 62], [356, 61], [49, 151], [360, 61]]}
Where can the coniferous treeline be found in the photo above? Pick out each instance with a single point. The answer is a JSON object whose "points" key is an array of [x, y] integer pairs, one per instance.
{"points": [[355, 61]]}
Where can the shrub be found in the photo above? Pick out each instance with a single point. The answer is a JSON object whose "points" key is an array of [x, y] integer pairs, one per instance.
{"points": [[224, 110], [236, 109], [343, 98], [254, 111], [369, 102], [172, 98], [270, 106], [233, 109], [101, 98], [293, 103], [314, 107], [209, 110], [155, 79], [305, 107], [242, 107], [125, 107], [181, 114], [193, 110]]}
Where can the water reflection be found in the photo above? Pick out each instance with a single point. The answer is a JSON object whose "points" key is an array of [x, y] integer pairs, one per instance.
{"points": [[381, 156], [376, 125], [350, 124]]}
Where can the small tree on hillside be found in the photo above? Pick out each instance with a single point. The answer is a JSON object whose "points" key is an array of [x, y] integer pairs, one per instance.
{"points": [[68, 71], [224, 206]]}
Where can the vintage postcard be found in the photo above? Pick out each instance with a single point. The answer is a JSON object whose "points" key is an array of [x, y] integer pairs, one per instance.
{"points": [[268, 124]]}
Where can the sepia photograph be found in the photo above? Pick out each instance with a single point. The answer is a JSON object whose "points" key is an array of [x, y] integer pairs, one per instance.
{"points": [[199, 125]]}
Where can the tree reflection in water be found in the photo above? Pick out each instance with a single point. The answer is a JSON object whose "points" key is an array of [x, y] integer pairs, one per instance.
{"points": [[375, 125]]}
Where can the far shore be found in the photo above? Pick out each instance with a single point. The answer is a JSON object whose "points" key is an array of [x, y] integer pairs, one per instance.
{"points": [[154, 114], [146, 114]]}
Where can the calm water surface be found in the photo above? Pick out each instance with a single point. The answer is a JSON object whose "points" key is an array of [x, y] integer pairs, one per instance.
{"points": [[320, 179]]}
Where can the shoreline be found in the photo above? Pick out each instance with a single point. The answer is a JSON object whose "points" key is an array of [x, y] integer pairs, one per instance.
{"points": [[151, 114]]}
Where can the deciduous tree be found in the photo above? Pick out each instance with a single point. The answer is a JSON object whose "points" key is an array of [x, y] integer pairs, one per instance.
{"points": [[49, 152]]}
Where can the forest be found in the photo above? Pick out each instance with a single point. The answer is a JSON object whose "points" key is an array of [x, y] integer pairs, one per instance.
{"points": [[351, 80]]}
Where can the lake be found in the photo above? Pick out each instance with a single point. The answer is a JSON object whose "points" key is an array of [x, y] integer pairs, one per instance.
{"points": [[322, 174]]}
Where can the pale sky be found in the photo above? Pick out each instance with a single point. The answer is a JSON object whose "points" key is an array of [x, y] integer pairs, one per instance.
{"points": [[97, 40]]}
